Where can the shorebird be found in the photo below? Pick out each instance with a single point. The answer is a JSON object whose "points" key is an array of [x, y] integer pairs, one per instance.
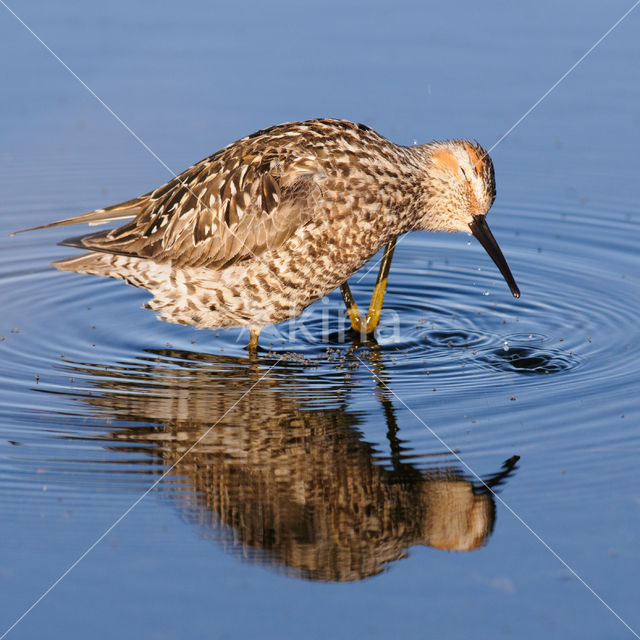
{"points": [[255, 233]]}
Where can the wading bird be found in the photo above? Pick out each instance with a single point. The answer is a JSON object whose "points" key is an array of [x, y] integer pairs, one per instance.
{"points": [[253, 234]]}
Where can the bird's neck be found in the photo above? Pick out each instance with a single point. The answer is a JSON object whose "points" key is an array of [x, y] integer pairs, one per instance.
{"points": [[405, 185]]}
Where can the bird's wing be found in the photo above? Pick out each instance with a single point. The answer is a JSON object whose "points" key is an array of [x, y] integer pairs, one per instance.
{"points": [[242, 201]]}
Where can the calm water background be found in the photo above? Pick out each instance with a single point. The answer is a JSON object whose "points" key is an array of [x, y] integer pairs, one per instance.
{"points": [[320, 503]]}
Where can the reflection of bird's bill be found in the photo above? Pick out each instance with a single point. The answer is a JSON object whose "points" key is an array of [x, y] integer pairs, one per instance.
{"points": [[482, 233]]}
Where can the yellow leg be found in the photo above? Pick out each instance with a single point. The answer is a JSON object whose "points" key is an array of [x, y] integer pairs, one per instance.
{"points": [[368, 325], [375, 307], [254, 332], [352, 307]]}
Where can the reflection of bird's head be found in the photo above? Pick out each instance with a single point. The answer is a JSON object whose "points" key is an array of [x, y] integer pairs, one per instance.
{"points": [[456, 517]]}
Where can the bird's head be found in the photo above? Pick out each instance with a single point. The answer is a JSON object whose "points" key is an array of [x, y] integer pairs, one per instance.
{"points": [[459, 189]]}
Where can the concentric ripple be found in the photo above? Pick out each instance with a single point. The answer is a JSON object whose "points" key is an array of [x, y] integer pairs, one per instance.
{"points": [[528, 360]]}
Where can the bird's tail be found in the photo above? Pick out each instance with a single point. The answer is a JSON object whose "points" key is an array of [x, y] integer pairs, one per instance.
{"points": [[103, 264], [121, 211]]}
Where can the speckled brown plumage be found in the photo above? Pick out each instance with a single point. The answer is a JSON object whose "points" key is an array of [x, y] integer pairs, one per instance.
{"points": [[269, 224]]}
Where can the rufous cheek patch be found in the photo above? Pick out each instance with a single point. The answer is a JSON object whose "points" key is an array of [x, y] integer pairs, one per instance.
{"points": [[445, 159]]}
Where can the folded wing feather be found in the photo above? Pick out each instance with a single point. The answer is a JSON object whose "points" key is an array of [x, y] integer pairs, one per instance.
{"points": [[242, 201]]}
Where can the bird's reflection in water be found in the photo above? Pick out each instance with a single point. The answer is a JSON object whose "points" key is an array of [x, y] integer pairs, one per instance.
{"points": [[284, 478]]}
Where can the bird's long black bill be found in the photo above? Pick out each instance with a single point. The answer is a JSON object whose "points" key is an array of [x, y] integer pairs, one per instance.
{"points": [[482, 233]]}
